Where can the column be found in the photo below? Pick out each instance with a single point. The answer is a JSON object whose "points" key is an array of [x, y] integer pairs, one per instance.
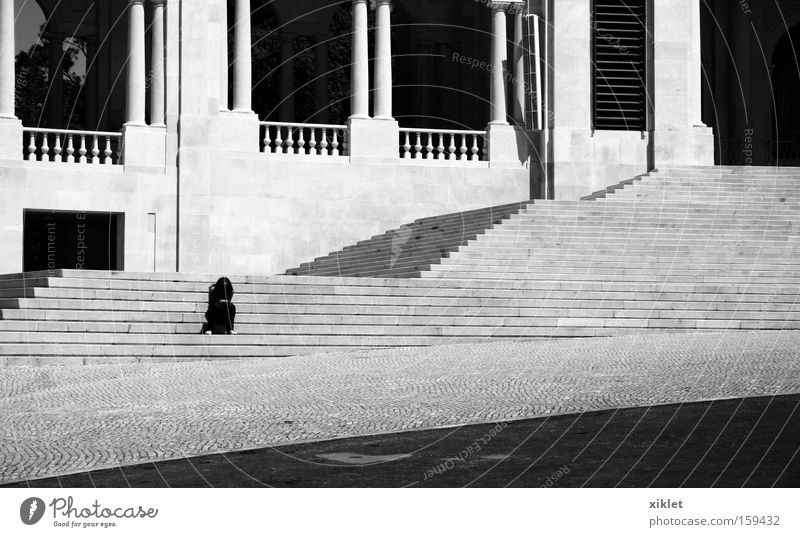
{"points": [[519, 68], [321, 95], [224, 62], [136, 67], [157, 81], [383, 61], [286, 110], [55, 92], [499, 86], [242, 63], [7, 50], [10, 126], [359, 80], [696, 68]]}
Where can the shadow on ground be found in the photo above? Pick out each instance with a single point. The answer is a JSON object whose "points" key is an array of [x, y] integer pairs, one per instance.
{"points": [[732, 443]]}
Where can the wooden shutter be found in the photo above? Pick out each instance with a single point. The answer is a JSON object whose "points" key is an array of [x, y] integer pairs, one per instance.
{"points": [[619, 55]]}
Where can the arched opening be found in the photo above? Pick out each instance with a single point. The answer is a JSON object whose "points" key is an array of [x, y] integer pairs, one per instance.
{"points": [[68, 69], [786, 87], [265, 56], [50, 71], [435, 85]]}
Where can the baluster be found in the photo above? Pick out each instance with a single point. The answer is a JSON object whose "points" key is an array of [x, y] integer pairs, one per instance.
{"points": [[474, 150], [323, 144], [95, 150], [45, 149], [463, 149], [440, 147], [406, 146], [451, 151], [70, 149], [57, 149], [267, 141], [107, 151], [289, 142], [429, 147], [301, 141], [82, 150], [278, 140], [345, 142], [312, 142], [418, 145], [335, 143], [32, 146]]}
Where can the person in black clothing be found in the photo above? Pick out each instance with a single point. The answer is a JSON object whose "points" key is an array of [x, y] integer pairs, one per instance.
{"points": [[221, 310]]}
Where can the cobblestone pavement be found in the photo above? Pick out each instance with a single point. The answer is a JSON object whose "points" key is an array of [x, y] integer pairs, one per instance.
{"points": [[63, 420]]}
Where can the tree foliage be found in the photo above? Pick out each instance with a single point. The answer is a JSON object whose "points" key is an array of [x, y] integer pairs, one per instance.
{"points": [[33, 86]]}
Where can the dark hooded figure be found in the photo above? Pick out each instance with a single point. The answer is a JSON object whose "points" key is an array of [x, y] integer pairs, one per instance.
{"points": [[221, 311]]}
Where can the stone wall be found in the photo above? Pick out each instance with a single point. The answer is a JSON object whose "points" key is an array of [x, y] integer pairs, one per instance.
{"points": [[267, 214], [585, 160], [86, 187]]}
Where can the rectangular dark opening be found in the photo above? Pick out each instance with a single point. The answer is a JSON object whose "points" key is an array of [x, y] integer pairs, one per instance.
{"points": [[79, 240], [619, 65]]}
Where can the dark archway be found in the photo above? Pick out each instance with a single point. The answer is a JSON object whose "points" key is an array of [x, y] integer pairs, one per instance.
{"points": [[433, 87], [786, 88]]}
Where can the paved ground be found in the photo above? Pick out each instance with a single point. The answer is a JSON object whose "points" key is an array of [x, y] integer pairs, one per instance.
{"points": [[63, 420], [753, 442]]}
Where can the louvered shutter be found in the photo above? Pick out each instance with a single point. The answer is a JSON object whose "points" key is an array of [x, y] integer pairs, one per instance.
{"points": [[619, 55]]}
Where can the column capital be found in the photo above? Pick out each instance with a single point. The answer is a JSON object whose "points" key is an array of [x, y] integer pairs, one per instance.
{"points": [[135, 2], [158, 3], [512, 6]]}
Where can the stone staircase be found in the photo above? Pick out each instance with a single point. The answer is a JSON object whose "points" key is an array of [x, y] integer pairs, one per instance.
{"points": [[410, 249], [680, 249]]}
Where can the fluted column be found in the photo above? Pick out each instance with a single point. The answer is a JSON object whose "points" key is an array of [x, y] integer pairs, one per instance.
{"points": [[519, 69], [136, 63], [499, 85], [359, 79], [383, 60], [223, 55], [286, 107], [55, 92], [7, 49], [242, 63], [157, 79]]}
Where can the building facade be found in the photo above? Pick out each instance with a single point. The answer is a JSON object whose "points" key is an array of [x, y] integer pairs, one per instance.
{"points": [[247, 137]]}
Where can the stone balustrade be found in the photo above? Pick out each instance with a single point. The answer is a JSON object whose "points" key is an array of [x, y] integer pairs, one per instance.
{"points": [[438, 144], [71, 146], [304, 139]]}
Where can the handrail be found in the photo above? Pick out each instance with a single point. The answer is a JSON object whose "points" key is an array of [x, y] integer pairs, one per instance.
{"points": [[63, 131], [309, 125], [442, 131]]}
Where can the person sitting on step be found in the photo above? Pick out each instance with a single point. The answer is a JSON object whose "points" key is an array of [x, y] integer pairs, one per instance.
{"points": [[221, 310]]}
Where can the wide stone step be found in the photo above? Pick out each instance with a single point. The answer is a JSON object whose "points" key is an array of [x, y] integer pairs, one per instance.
{"points": [[320, 284]]}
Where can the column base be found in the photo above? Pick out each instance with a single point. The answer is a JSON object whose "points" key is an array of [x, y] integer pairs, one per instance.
{"points": [[375, 140], [11, 141], [144, 146], [693, 146], [508, 146], [236, 131]]}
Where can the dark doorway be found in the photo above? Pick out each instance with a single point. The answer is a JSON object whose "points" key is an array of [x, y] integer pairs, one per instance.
{"points": [[72, 240], [786, 87]]}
